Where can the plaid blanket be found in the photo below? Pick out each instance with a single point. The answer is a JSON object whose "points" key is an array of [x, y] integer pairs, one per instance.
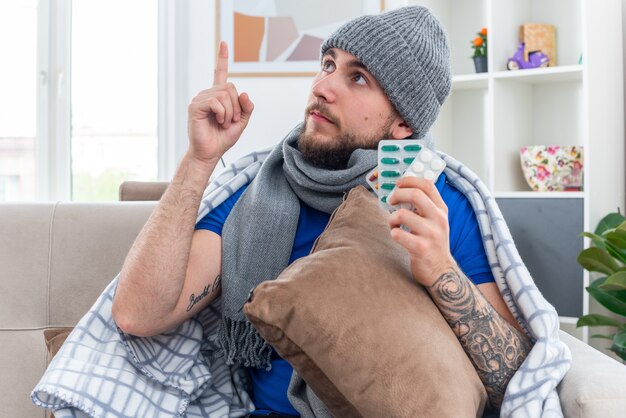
{"points": [[101, 372]]}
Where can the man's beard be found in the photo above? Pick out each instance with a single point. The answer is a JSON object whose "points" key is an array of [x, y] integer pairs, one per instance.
{"points": [[335, 154]]}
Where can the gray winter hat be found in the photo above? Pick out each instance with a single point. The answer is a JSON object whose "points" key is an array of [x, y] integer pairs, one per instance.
{"points": [[406, 49]]}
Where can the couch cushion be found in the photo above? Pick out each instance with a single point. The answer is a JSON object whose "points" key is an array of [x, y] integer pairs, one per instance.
{"points": [[360, 331], [24, 258], [23, 360], [55, 260], [595, 385], [89, 245]]}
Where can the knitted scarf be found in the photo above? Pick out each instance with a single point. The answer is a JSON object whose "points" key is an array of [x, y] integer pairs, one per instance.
{"points": [[259, 233]]}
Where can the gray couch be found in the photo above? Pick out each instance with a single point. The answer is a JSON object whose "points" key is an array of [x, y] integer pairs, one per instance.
{"points": [[56, 258]]}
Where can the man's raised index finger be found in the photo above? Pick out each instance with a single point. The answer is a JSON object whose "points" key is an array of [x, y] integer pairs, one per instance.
{"points": [[221, 68]]}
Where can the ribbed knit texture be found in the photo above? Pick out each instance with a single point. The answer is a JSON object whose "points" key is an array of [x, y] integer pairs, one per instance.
{"points": [[407, 51]]}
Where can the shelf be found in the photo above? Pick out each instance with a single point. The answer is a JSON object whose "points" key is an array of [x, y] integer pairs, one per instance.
{"points": [[470, 81], [567, 16], [568, 73], [568, 320], [562, 74], [539, 195], [528, 113]]}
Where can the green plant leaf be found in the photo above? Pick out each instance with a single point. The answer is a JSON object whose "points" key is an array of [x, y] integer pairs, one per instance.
{"points": [[619, 231], [612, 220], [617, 237], [597, 259], [616, 281], [614, 301], [596, 320], [619, 345], [619, 340], [608, 300], [619, 254], [598, 240], [606, 337], [598, 282]]}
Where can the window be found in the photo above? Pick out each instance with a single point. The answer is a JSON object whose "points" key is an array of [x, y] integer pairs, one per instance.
{"points": [[114, 96], [18, 99], [9, 188], [78, 97]]}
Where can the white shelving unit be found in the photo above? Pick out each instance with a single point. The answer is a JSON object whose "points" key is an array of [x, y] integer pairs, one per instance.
{"points": [[489, 116]]}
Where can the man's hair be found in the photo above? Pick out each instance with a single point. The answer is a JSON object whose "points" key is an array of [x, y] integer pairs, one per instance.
{"points": [[407, 50]]}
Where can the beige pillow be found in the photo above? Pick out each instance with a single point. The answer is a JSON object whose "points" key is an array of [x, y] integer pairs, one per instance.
{"points": [[360, 331]]}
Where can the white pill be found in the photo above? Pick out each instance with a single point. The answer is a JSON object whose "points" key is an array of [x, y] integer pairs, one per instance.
{"points": [[426, 156], [417, 167], [429, 175], [436, 164]]}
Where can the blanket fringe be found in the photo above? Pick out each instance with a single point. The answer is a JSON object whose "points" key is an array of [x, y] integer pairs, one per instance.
{"points": [[241, 343]]}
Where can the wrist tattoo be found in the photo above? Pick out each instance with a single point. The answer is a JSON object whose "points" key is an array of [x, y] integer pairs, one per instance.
{"points": [[495, 347], [208, 289]]}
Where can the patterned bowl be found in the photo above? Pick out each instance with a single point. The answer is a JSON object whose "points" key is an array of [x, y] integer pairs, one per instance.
{"points": [[553, 167]]}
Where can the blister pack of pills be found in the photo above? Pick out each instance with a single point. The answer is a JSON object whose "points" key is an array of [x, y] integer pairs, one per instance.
{"points": [[400, 158]]}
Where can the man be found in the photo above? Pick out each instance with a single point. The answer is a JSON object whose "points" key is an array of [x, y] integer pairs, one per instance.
{"points": [[381, 77]]}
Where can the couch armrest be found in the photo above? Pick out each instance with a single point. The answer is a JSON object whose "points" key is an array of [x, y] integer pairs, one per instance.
{"points": [[142, 190], [595, 386]]}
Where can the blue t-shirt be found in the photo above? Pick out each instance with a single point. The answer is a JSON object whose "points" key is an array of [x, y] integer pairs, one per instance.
{"points": [[269, 388]]}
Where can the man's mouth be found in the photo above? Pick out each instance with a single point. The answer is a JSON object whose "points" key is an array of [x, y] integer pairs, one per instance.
{"points": [[319, 117]]}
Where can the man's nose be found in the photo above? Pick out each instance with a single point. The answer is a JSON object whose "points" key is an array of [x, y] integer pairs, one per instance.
{"points": [[325, 88]]}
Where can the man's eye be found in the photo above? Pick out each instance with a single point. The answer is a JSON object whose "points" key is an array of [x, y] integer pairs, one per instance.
{"points": [[359, 79], [328, 66]]}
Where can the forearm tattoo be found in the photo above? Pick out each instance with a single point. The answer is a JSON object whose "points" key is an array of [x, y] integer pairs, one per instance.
{"points": [[494, 346], [208, 289]]}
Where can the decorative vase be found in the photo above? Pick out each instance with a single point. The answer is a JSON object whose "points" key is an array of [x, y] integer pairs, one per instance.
{"points": [[551, 168], [480, 63]]}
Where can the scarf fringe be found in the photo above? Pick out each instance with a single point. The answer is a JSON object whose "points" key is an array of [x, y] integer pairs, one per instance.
{"points": [[241, 343]]}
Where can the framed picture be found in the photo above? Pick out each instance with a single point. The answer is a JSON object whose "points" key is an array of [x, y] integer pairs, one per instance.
{"points": [[282, 37]]}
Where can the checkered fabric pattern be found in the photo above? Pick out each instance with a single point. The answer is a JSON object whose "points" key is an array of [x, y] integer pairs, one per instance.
{"points": [[532, 390], [101, 372]]}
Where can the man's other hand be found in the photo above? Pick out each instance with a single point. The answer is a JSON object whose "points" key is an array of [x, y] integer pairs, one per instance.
{"points": [[428, 238]]}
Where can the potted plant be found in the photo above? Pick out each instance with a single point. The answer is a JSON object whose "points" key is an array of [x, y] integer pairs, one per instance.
{"points": [[480, 51], [608, 256]]}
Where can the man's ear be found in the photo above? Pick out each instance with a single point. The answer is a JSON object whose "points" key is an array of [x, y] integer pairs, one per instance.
{"points": [[400, 129]]}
